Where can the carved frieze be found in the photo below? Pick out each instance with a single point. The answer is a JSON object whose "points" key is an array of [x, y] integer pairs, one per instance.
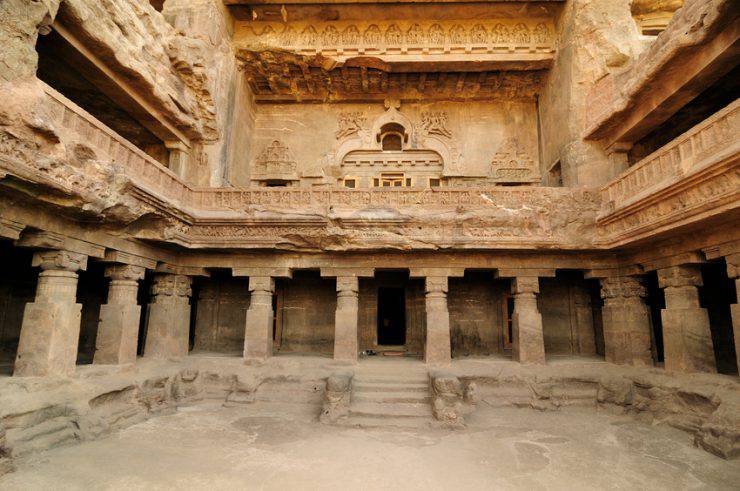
{"points": [[513, 164], [402, 37]]}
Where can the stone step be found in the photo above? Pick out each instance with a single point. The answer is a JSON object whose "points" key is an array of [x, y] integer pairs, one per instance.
{"points": [[389, 422], [390, 380], [392, 398], [395, 410], [390, 388]]}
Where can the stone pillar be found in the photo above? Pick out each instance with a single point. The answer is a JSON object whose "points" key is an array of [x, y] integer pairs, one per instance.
{"points": [[687, 339], [626, 321], [118, 330], [51, 324], [733, 271], [168, 329], [528, 343], [258, 330], [345, 320], [178, 158], [583, 318], [438, 349]]}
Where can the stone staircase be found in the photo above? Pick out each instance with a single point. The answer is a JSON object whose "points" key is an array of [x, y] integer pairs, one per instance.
{"points": [[387, 397]]}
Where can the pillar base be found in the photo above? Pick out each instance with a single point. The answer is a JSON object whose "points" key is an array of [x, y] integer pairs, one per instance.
{"points": [[687, 341], [118, 334], [49, 337]]}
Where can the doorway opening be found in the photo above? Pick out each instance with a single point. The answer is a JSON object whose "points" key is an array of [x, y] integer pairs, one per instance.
{"points": [[391, 316]]}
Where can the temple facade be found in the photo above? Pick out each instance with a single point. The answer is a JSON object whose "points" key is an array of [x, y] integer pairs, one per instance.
{"points": [[517, 180]]}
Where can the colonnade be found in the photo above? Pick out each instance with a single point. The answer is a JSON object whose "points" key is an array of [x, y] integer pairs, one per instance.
{"points": [[51, 323]]}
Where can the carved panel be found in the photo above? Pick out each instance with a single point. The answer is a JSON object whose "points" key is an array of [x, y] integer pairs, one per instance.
{"points": [[275, 162], [512, 164]]}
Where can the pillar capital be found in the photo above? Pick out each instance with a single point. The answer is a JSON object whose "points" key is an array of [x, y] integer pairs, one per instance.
{"points": [[436, 284], [171, 285], [60, 260], [124, 272], [679, 276], [262, 284], [622, 287], [349, 284], [525, 284]]}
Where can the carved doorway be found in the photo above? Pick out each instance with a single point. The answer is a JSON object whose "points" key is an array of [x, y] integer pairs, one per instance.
{"points": [[391, 316]]}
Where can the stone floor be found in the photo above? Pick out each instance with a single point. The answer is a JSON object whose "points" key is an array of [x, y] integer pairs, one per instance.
{"points": [[280, 446]]}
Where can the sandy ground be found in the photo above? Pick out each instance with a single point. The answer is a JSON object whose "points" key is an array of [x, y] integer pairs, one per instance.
{"points": [[279, 446]]}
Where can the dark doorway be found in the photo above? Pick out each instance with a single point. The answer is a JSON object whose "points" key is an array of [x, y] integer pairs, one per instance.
{"points": [[391, 316], [716, 295], [656, 302]]}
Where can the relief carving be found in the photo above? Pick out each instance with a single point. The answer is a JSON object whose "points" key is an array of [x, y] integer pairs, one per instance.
{"points": [[275, 162], [512, 163], [435, 123], [349, 123]]}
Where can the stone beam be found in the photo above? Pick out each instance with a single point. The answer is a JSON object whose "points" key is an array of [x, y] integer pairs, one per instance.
{"points": [[263, 272], [50, 240], [114, 256], [10, 229]]}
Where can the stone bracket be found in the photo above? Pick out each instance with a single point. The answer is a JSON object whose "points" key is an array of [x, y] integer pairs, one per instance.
{"points": [[40, 239]]}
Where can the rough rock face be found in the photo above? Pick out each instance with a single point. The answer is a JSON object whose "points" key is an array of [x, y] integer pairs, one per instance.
{"points": [[451, 400], [596, 38], [702, 405], [336, 397], [136, 41], [20, 22]]}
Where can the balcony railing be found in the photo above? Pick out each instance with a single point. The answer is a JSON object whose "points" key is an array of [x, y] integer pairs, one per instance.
{"points": [[702, 145], [135, 163]]}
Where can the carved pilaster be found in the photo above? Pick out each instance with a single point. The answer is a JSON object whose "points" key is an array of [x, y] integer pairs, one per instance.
{"points": [[626, 320], [118, 330], [258, 330], [169, 317], [528, 343], [687, 339], [438, 348], [51, 323]]}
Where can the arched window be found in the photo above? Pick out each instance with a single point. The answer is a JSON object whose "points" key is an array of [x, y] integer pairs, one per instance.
{"points": [[392, 141], [392, 136]]}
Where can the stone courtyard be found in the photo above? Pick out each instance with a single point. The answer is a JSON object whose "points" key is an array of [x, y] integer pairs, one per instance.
{"points": [[369, 244]]}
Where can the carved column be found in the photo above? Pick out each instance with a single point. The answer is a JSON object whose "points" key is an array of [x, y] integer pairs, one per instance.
{"points": [[258, 330], [583, 318], [733, 271], [687, 339], [168, 330], [51, 324], [438, 348], [118, 331], [626, 321], [345, 320], [528, 343]]}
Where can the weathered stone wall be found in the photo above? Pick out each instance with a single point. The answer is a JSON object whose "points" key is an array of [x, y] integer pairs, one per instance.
{"points": [[476, 310], [312, 134], [595, 38], [567, 316], [306, 306], [221, 307]]}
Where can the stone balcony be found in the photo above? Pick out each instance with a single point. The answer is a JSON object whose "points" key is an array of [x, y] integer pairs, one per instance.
{"points": [[694, 177]]}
